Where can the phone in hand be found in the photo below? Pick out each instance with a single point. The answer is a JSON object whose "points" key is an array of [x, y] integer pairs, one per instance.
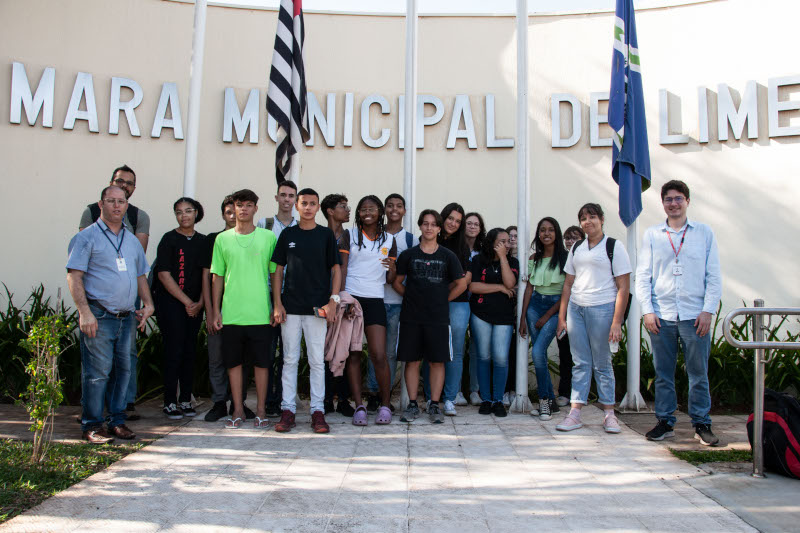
{"points": [[561, 335], [319, 312]]}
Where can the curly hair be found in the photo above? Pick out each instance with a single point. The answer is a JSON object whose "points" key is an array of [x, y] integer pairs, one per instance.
{"points": [[487, 245], [194, 203], [381, 237]]}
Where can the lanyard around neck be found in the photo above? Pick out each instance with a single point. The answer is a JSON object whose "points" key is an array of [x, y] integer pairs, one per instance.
{"points": [[117, 248], [683, 237]]}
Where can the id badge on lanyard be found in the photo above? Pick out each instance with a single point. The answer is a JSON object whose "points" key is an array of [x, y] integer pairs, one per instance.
{"points": [[121, 266], [677, 270]]}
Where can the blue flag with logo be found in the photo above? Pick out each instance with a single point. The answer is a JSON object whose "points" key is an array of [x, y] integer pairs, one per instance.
{"points": [[631, 155]]}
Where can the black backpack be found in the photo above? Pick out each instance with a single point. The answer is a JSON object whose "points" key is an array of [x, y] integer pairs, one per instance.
{"points": [[610, 243], [133, 214], [781, 439]]}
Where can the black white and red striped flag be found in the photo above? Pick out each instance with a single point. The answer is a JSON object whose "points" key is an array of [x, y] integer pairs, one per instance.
{"points": [[286, 96]]}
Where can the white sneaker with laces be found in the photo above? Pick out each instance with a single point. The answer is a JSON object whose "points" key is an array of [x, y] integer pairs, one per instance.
{"points": [[475, 398], [562, 401], [460, 400], [449, 408]]}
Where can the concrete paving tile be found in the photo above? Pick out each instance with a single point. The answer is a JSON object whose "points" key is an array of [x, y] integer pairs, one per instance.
{"points": [[283, 524], [366, 524], [424, 525], [527, 524]]}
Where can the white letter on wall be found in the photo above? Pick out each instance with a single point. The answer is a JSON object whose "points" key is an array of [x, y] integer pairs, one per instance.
{"points": [[595, 119], [665, 135], [248, 119], [21, 96], [348, 120], [702, 114], [491, 127], [775, 106], [747, 112], [83, 85], [462, 107], [169, 96], [115, 106], [327, 125], [422, 120], [555, 120], [365, 106]]}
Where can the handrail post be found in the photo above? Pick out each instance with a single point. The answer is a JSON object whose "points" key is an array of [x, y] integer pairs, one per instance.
{"points": [[758, 386]]}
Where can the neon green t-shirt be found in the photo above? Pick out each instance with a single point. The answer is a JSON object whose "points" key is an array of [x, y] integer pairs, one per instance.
{"points": [[245, 262]]}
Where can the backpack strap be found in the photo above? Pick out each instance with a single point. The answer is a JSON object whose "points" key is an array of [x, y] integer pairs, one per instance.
{"points": [[409, 240], [610, 243], [94, 209], [270, 223], [575, 246]]}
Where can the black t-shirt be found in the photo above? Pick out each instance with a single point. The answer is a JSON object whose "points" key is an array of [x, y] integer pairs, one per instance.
{"points": [[308, 257], [495, 308], [428, 277], [451, 245], [184, 258]]}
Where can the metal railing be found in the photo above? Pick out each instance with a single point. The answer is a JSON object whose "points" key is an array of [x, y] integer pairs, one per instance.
{"points": [[760, 346]]}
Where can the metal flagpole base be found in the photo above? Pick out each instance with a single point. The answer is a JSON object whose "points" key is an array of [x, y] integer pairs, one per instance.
{"points": [[521, 404], [634, 404]]}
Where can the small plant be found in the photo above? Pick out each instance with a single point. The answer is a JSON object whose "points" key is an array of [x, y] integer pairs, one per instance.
{"points": [[43, 394]]}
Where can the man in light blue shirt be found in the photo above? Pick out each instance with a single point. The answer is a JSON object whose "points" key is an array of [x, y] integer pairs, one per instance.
{"points": [[105, 271], [678, 284]]}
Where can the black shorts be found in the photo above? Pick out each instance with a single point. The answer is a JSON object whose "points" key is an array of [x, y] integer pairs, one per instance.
{"points": [[429, 341], [247, 344], [374, 311]]}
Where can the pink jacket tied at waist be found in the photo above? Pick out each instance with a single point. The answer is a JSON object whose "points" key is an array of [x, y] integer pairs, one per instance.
{"points": [[344, 335]]}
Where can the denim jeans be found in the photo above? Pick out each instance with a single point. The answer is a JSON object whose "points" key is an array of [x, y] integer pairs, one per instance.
{"points": [[491, 342], [109, 348], [392, 327], [130, 384], [314, 330], [459, 320], [696, 351], [588, 328], [541, 339]]}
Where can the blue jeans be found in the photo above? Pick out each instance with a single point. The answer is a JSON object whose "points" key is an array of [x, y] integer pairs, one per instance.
{"points": [[459, 319], [110, 348], [130, 388], [588, 329], [491, 342], [392, 327], [696, 351], [541, 339]]}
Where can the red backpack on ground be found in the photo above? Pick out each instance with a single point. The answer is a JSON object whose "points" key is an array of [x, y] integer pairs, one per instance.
{"points": [[781, 440]]}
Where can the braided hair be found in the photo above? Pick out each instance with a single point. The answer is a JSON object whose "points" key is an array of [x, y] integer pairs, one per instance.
{"points": [[381, 237]]}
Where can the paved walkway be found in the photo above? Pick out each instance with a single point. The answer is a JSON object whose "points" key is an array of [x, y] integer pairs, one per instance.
{"points": [[472, 474]]}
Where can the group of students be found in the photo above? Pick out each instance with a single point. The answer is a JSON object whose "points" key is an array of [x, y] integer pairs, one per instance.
{"points": [[264, 285]]}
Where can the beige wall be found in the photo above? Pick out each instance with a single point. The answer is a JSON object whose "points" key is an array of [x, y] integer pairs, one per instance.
{"points": [[747, 190]]}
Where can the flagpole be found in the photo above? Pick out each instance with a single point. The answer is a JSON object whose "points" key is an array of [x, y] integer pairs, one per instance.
{"points": [[633, 400], [410, 148], [195, 88], [521, 403]]}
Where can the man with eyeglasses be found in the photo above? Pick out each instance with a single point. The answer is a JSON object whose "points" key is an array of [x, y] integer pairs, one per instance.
{"points": [[679, 286], [105, 271], [137, 222]]}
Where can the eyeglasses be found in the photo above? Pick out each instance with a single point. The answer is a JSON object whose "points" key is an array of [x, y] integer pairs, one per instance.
{"points": [[674, 199], [189, 211], [121, 182], [474, 224], [115, 201], [367, 210], [344, 206]]}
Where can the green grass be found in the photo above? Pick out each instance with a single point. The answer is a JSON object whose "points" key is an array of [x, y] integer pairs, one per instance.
{"points": [[24, 485], [698, 457]]}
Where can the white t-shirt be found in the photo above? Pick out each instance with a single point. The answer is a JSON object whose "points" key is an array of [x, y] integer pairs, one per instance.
{"points": [[277, 225], [594, 284], [365, 273], [390, 295]]}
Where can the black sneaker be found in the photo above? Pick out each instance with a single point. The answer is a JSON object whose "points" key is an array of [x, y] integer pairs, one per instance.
{"points": [[345, 409], [172, 412], [187, 409], [485, 408], [329, 408], [702, 432], [435, 414], [219, 410], [498, 409], [662, 431], [372, 404], [554, 408], [273, 409], [130, 412]]}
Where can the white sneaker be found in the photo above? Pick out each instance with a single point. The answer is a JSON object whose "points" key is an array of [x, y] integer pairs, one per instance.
{"points": [[506, 399], [475, 398], [449, 408], [460, 400], [562, 401]]}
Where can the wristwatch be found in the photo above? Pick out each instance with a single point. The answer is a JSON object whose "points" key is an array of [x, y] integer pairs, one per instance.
{"points": [[335, 298]]}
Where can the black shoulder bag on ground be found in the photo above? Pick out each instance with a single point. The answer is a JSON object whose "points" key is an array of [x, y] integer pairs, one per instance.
{"points": [[781, 439]]}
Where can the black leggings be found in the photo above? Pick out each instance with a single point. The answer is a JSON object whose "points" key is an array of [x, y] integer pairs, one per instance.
{"points": [[564, 367], [179, 332]]}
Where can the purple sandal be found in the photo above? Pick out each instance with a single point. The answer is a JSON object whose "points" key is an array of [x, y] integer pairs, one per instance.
{"points": [[384, 416], [360, 416]]}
